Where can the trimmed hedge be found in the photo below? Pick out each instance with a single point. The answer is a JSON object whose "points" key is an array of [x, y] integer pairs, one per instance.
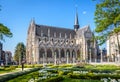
{"points": [[26, 78], [54, 79], [7, 77], [92, 76]]}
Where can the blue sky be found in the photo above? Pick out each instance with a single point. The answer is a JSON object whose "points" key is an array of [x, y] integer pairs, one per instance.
{"points": [[17, 14]]}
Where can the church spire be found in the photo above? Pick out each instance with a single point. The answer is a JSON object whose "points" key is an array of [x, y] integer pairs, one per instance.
{"points": [[32, 22], [76, 24], [76, 19]]}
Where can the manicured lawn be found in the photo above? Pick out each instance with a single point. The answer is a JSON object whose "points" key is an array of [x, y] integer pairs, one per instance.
{"points": [[70, 73], [25, 78], [102, 67], [79, 80]]}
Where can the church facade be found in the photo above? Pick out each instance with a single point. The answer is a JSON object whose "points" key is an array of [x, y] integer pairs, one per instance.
{"points": [[48, 44]]}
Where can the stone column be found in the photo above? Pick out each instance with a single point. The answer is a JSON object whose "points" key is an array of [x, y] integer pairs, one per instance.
{"points": [[76, 56], [55, 58], [59, 57], [107, 58], [37, 54], [67, 57], [119, 58], [45, 56], [43, 59], [95, 52], [73, 58], [70, 56], [90, 55]]}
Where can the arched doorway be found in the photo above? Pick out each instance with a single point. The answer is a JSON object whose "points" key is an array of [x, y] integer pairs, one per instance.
{"points": [[68, 52], [49, 53], [62, 53], [73, 57], [56, 53], [78, 55], [73, 54], [68, 55], [41, 52]]}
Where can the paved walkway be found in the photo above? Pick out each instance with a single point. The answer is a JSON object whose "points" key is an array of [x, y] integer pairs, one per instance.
{"points": [[17, 70]]}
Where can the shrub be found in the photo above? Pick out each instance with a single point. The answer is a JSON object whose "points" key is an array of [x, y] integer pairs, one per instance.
{"points": [[52, 70], [80, 65], [117, 71], [12, 67], [92, 76], [54, 79], [54, 66], [60, 72], [65, 65], [7, 69], [66, 72], [38, 65], [69, 74]]}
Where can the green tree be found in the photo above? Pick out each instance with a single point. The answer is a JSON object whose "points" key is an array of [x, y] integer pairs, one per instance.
{"points": [[20, 54], [4, 31], [107, 20]]}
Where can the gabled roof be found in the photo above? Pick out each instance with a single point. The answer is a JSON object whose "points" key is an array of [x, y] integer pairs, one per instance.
{"points": [[81, 31]]}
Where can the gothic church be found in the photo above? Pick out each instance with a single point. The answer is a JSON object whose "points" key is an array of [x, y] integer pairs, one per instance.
{"points": [[49, 44]]}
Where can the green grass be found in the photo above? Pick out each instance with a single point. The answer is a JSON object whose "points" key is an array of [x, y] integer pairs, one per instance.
{"points": [[78, 80], [86, 67], [2, 71], [102, 67], [25, 78]]}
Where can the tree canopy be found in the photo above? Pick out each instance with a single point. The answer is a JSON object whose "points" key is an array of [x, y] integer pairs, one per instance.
{"points": [[107, 19], [20, 52], [4, 30]]}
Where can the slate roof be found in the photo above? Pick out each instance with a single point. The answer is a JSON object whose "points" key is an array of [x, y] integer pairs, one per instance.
{"points": [[57, 30]]}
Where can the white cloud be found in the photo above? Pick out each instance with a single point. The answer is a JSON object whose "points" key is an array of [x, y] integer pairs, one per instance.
{"points": [[84, 12]]}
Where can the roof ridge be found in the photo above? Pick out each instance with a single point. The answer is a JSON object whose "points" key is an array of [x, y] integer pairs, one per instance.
{"points": [[55, 27]]}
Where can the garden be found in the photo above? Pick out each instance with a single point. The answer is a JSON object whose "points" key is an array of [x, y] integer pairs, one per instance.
{"points": [[71, 73]]}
